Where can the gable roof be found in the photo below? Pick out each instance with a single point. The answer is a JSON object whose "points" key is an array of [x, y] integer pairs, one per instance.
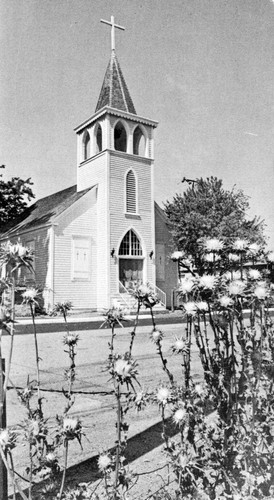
{"points": [[114, 92], [44, 211]]}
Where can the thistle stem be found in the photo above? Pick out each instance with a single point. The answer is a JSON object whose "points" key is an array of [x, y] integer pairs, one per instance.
{"points": [[65, 468], [12, 476], [37, 360]]}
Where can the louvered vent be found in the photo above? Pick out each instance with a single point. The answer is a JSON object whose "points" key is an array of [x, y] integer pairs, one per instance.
{"points": [[131, 193]]}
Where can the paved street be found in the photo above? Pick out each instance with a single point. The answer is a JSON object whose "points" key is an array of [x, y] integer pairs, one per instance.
{"points": [[96, 411]]}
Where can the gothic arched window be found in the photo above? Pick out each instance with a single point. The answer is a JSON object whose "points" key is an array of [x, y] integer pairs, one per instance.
{"points": [[86, 146], [139, 142], [131, 192], [130, 245], [120, 137], [99, 139]]}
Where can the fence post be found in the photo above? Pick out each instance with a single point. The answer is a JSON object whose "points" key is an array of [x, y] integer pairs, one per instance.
{"points": [[3, 424]]}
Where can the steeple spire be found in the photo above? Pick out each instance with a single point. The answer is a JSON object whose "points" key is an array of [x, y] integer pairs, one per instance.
{"points": [[114, 92]]}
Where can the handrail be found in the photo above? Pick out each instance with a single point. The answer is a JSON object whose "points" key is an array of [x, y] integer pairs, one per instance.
{"points": [[124, 293], [160, 294]]}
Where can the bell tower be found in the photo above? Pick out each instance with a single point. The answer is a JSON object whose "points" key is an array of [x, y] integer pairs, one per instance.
{"points": [[115, 153]]}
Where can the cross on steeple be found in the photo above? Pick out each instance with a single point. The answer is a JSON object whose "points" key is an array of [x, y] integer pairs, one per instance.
{"points": [[113, 26]]}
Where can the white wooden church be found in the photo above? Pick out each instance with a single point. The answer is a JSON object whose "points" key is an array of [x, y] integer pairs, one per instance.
{"points": [[95, 240]]}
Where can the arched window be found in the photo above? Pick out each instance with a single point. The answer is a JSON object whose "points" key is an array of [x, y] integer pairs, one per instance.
{"points": [[130, 245], [120, 137], [99, 139], [86, 146], [139, 142], [131, 198]]}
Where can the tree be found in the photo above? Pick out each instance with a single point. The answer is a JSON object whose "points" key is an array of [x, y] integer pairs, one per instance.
{"points": [[207, 210], [14, 197]]}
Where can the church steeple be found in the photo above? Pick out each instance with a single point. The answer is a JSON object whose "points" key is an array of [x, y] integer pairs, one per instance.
{"points": [[114, 92]]}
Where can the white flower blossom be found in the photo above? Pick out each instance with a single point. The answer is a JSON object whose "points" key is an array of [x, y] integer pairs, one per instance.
{"points": [[253, 248], [213, 245], [4, 438], [199, 389], [156, 335], [190, 308], [179, 345], [208, 281], [123, 368], [70, 424], [260, 292], [179, 416], [104, 461], [202, 306], [240, 245], [177, 255], [254, 274], [236, 287], [186, 285], [225, 301], [163, 395], [233, 257]]}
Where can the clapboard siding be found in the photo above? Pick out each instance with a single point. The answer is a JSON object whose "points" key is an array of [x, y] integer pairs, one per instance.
{"points": [[79, 221]]}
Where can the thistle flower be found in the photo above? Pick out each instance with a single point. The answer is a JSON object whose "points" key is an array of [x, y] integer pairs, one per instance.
{"points": [[50, 458], [213, 245], [104, 462], [190, 308], [124, 369], [163, 395], [202, 306], [225, 301], [179, 346], [179, 416], [145, 295], [62, 307], [207, 281], [70, 339], [114, 316], [199, 389], [140, 399], [236, 287], [254, 274], [240, 245], [233, 257], [30, 295], [156, 336], [16, 255], [260, 292], [253, 249], [186, 285], [71, 428], [176, 255]]}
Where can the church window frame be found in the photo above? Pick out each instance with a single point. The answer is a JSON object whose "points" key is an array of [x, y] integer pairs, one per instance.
{"points": [[131, 192], [80, 258], [124, 126], [131, 246], [140, 150], [86, 146]]}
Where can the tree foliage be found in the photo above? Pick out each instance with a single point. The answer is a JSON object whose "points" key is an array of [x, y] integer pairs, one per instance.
{"points": [[14, 197], [207, 210]]}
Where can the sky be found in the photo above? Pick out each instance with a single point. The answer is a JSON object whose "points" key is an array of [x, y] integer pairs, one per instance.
{"points": [[203, 68]]}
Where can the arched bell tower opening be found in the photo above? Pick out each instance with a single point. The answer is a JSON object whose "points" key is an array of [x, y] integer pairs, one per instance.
{"points": [[86, 146], [120, 137], [131, 261], [98, 139], [139, 142]]}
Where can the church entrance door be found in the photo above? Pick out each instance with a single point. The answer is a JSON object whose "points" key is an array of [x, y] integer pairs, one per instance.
{"points": [[130, 261], [130, 272]]}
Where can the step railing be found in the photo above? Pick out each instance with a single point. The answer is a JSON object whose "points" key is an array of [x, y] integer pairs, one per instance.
{"points": [[125, 296], [160, 294]]}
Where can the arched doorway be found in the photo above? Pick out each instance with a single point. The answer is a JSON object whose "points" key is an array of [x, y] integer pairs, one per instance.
{"points": [[130, 261]]}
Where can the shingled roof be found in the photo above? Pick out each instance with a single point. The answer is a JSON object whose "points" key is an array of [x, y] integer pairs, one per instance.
{"points": [[114, 91], [44, 211]]}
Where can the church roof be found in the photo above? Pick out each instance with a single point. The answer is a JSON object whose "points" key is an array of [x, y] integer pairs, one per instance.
{"points": [[114, 92], [44, 211]]}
